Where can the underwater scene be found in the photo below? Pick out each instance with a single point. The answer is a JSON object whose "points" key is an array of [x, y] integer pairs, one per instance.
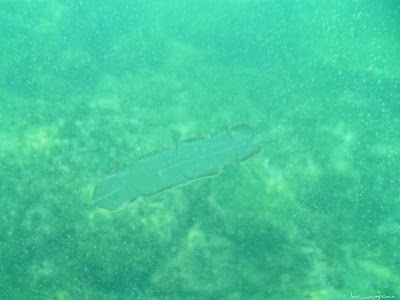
{"points": [[230, 149]]}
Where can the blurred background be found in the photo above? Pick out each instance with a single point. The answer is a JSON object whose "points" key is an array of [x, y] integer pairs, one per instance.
{"points": [[88, 87]]}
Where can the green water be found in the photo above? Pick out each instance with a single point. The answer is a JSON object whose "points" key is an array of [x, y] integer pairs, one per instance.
{"points": [[88, 87]]}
